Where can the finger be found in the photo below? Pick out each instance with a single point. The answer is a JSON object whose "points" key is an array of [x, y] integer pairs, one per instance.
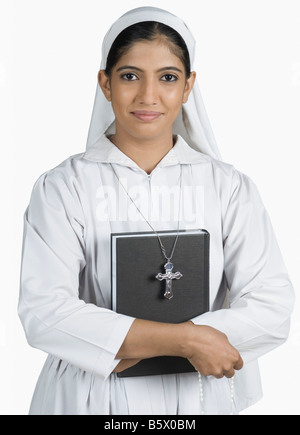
{"points": [[239, 365], [229, 374], [219, 375]]}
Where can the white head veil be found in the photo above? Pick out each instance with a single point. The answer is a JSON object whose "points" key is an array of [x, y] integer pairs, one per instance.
{"points": [[192, 122]]}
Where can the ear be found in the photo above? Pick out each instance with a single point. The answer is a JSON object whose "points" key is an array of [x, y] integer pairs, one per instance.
{"points": [[104, 83], [189, 86]]}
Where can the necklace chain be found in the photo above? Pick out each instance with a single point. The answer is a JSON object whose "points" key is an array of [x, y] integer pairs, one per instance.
{"points": [[163, 249]]}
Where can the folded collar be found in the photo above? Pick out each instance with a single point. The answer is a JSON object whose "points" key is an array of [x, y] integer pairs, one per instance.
{"points": [[104, 151]]}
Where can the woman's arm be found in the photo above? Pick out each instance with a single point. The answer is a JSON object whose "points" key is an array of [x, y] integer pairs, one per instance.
{"points": [[207, 349], [261, 295], [55, 320]]}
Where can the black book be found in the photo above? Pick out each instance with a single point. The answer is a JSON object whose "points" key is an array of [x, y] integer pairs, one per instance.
{"points": [[136, 260]]}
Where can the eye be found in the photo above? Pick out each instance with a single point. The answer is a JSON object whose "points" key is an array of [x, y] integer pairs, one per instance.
{"points": [[129, 77], [169, 78]]}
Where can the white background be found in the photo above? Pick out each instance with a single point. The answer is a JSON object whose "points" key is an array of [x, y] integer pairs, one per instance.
{"points": [[248, 64]]}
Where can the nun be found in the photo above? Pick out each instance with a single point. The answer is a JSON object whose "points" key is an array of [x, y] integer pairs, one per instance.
{"points": [[149, 130]]}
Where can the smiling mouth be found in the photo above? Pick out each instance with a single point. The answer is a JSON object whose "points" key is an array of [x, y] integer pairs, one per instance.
{"points": [[146, 116]]}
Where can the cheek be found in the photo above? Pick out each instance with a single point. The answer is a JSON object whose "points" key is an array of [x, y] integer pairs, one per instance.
{"points": [[173, 98], [122, 96]]}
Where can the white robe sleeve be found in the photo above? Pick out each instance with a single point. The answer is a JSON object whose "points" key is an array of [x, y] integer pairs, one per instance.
{"points": [[261, 296], [55, 320]]}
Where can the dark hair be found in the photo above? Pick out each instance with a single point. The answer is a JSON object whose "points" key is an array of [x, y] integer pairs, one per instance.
{"points": [[148, 31]]}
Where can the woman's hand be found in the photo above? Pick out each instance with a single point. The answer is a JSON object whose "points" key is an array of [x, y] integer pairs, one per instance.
{"points": [[210, 352]]}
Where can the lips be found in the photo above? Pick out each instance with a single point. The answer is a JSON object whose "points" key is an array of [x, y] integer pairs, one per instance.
{"points": [[146, 116]]}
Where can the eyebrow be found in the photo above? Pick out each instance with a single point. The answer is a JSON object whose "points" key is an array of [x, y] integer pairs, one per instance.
{"points": [[166, 68]]}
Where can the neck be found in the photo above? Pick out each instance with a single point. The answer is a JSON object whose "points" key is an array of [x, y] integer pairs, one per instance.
{"points": [[146, 153]]}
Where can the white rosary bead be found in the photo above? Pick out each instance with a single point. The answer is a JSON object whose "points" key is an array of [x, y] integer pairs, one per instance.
{"points": [[201, 392], [231, 395]]}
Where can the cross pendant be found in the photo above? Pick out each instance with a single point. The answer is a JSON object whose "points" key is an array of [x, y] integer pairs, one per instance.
{"points": [[168, 276]]}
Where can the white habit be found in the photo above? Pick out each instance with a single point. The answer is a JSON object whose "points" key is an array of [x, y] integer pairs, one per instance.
{"points": [[65, 279]]}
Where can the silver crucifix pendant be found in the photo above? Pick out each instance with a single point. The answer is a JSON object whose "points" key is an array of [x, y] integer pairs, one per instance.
{"points": [[168, 276]]}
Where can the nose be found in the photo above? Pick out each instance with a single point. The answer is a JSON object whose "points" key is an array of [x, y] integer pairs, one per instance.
{"points": [[148, 92]]}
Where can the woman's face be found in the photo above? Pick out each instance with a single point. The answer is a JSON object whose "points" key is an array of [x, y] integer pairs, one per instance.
{"points": [[147, 88]]}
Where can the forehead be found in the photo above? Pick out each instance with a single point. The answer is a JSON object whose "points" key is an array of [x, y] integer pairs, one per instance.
{"points": [[156, 53]]}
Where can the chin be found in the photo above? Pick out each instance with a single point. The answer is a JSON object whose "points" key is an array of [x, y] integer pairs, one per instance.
{"points": [[149, 131]]}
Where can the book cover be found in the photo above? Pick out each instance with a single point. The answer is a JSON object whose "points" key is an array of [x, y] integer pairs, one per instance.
{"points": [[136, 260]]}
